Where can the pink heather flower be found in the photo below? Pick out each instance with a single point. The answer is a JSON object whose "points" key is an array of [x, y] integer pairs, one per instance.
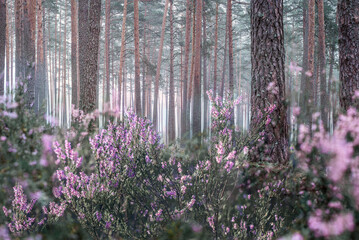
{"points": [[5, 211], [210, 221], [336, 226], [231, 155], [245, 150], [268, 120], [108, 225], [219, 159], [183, 189], [297, 236], [98, 216], [229, 165], [220, 148], [191, 203]]}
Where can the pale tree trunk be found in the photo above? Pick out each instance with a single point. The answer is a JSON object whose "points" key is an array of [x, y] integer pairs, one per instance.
{"points": [[64, 113], [190, 83], [144, 87], [122, 54], [224, 59], [171, 110], [184, 127], [74, 37], [18, 38], [107, 48], [2, 44], [89, 31], [29, 26], [137, 59], [267, 57], [230, 52], [40, 65], [7, 48], [348, 11], [196, 109], [215, 54], [324, 100], [307, 99], [205, 97], [158, 70]]}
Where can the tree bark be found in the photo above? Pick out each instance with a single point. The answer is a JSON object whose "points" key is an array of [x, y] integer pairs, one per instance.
{"points": [[40, 63], [324, 100], [137, 59], [122, 54], [348, 21], [2, 44], [267, 56], [230, 53], [171, 108], [205, 97], [158, 71], [74, 37], [215, 54], [89, 31], [196, 109]]}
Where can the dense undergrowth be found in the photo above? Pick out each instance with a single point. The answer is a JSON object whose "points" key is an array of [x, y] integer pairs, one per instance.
{"points": [[120, 182]]}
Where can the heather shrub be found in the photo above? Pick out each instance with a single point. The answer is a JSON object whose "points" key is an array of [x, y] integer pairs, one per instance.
{"points": [[128, 185], [328, 184], [26, 159]]}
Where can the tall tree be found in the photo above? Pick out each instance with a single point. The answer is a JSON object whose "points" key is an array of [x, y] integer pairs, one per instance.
{"points": [[158, 70], [64, 100], [107, 48], [40, 62], [267, 56], [348, 21], [122, 54], [309, 76], [204, 57], [215, 54], [184, 127], [74, 37], [137, 58], [230, 52], [89, 30], [2, 44], [324, 100], [28, 40], [196, 109], [171, 106]]}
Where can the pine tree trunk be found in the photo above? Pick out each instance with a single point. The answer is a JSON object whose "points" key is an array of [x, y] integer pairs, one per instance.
{"points": [[184, 127], [144, 87], [308, 92], [137, 59], [348, 21], [215, 54], [2, 44], [122, 54], [267, 56], [64, 113], [7, 49], [230, 53], [29, 26], [324, 106], [74, 37], [224, 59], [205, 97], [196, 109], [40, 66], [89, 31], [158, 71], [171, 109]]}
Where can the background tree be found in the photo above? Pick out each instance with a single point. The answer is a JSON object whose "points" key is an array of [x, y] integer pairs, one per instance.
{"points": [[89, 31]]}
